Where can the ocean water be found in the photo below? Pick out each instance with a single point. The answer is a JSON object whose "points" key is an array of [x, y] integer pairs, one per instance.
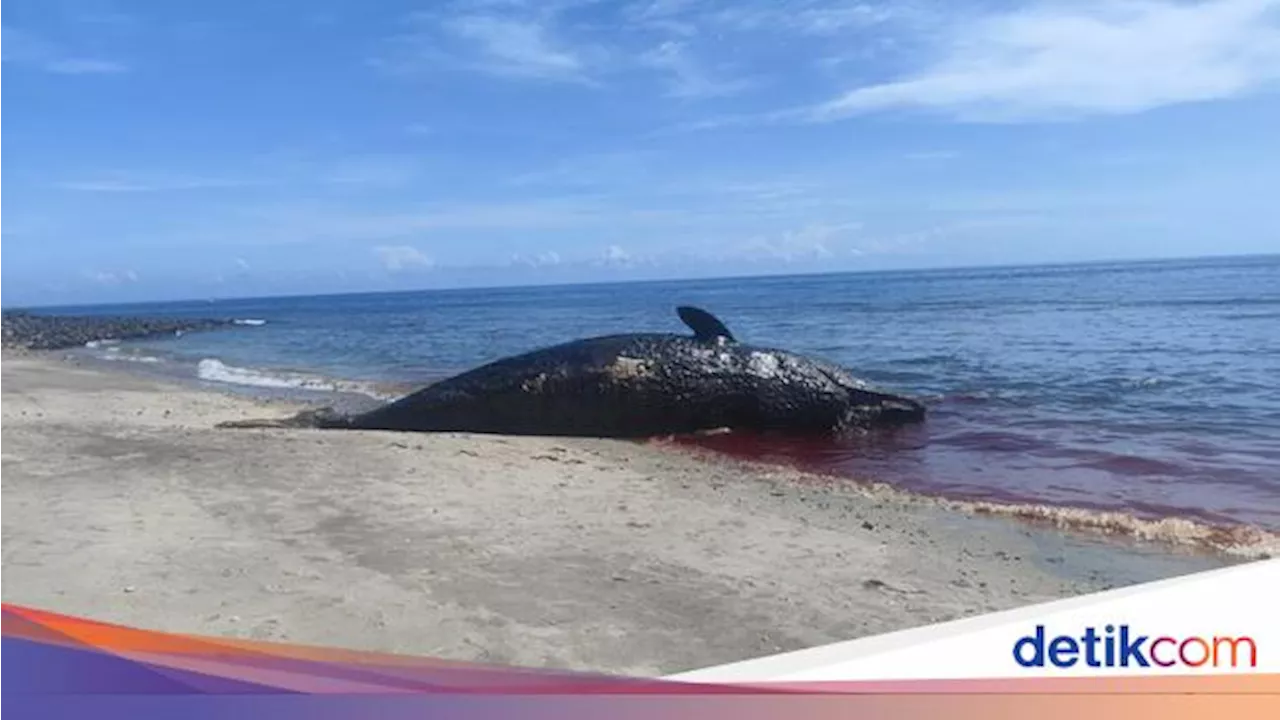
{"points": [[1149, 388]]}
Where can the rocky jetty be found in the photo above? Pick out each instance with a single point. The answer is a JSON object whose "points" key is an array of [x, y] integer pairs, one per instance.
{"points": [[32, 331]]}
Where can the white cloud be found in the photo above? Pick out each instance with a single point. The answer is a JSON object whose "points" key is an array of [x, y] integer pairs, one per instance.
{"points": [[553, 41], [905, 243], [658, 9], [821, 17], [104, 18], [515, 43], [812, 242], [688, 78], [544, 259], [402, 257], [932, 155], [615, 256], [593, 170], [773, 190], [85, 66], [379, 170], [109, 277], [122, 182], [107, 186], [1104, 58], [304, 222], [30, 50], [516, 47], [23, 47]]}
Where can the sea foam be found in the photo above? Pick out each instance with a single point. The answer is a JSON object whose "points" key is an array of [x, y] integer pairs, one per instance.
{"points": [[214, 370]]}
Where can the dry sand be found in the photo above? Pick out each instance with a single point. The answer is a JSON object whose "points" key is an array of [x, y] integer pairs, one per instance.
{"points": [[124, 505]]}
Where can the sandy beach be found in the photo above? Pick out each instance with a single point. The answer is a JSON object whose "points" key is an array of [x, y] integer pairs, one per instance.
{"points": [[125, 505]]}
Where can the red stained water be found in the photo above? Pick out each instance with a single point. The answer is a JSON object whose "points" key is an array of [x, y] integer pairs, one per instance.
{"points": [[959, 456]]}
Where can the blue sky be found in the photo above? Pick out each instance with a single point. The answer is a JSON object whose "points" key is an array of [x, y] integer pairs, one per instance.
{"points": [[168, 150]]}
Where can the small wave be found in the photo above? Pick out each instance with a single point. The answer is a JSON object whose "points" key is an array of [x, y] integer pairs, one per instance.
{"points": [[110, 349], [1007, 396], [1237, 540], [215, 370], [121, 357], [249, 321], [997, 441], [1120, 464], [927, 360], [1253, 316], [1146, 382], [94, 344]]}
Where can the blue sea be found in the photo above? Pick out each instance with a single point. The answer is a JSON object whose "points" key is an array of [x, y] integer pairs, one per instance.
{"points": [[1150, 388]]}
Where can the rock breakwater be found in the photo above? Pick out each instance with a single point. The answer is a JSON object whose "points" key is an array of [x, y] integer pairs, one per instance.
{"points": [[32, 331]]}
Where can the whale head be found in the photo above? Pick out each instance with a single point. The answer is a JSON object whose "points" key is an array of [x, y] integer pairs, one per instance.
{"points": [[889, 410]]}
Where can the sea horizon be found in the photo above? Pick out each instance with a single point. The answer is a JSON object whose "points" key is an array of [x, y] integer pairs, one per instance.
{"points": [[655, 281]]}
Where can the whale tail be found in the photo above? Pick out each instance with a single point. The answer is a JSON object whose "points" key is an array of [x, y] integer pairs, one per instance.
{"points": [[321, 418]]}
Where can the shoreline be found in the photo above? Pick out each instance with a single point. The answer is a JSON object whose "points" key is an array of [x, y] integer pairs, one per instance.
{"points": [[640, 558], [1172, 534], [975, 458], [1233, 539]]}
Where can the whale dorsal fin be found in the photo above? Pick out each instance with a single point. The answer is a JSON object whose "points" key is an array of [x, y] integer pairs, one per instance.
{"points": [[705, 326]]}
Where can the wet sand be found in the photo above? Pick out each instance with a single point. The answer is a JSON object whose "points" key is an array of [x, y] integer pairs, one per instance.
{"points": [[125, 505]]}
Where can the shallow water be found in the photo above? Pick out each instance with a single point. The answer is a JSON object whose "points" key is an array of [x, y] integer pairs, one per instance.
{"points": [[1143, 387]]}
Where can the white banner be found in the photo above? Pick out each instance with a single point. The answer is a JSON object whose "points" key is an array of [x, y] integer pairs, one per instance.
{"points": [[1217, 622]]}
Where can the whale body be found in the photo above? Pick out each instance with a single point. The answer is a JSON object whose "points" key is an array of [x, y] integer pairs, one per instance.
{"points": [[637, 385]]}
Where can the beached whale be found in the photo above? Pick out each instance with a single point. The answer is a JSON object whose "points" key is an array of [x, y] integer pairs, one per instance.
{"points": [[636, 385]]}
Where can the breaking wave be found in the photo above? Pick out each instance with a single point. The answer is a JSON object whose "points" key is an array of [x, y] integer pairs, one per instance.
{"points": [[249, 321], [95, 344], [121, 357], [1237, 540], [111, 349], [214, 370]]}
